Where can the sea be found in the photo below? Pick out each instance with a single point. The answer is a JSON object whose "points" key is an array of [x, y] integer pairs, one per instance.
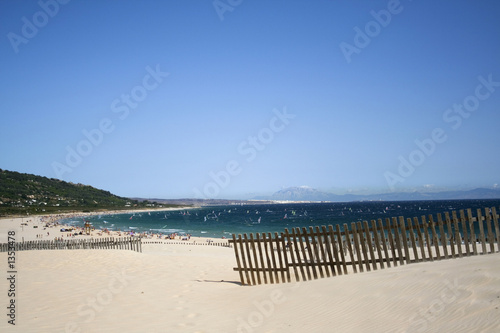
{"points": [[223, 221]]}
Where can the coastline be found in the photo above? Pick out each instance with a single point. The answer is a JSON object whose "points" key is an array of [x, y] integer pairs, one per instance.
{"points": [[179, 288], [48, 227]]}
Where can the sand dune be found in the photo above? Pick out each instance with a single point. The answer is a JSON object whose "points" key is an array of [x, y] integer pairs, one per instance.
{"points": [[176, 288]]}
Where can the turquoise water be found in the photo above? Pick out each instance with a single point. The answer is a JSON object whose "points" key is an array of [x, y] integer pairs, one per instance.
{"points": [[223, 221]]}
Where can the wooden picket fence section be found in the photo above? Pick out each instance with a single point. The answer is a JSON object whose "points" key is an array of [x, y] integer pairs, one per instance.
{"points": [[128, 243], [170, 242], [309, 253]]}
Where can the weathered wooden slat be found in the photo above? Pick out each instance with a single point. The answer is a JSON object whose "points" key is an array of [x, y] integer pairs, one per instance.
{"points": [[272, 243], [458, 238], [420, 237], [317, 257], [322, 240], [380, 257], [491, 237], [463, 221], [434, 236], [392, 241], [412, 239], [341, 249], [384, 242], [451, 234], [398, 240], [267, 251], [362, 242], [473, 239], [310, 262], [243, 260], [291, 250], [443, 236], [497, 229], [428, 239], [303, 251], [357, 247], [299, 248], [279, 241], [262, 263], [369, 238], [285, 251], [325, 249], [481, 231], [254, 252], [330, 249], [404, 237], [350, 247]]}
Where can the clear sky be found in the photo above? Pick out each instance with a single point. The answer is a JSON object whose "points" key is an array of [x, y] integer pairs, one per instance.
{"points": [[236, 98]]}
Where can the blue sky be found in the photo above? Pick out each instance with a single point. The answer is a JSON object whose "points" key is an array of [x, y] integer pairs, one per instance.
{"points": [[231, 99]]}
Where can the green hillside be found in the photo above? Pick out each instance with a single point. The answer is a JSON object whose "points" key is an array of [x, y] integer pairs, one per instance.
{"points": [[22, 193]]}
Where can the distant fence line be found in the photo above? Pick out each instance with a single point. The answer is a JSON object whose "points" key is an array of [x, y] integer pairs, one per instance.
{"points": [[128, 243], [211, 243], [311, 253]]}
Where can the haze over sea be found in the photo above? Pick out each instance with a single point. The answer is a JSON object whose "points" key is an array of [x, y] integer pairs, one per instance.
{"points": [[223, 221]]}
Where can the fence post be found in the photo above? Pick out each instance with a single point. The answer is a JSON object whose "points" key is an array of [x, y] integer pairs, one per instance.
{"points": [[249, 258], [404, 237], [420, 238], [378, 244], [292, 261], [261, 257], [285, 256], [313, 255], [463, 221], [238, 259], [368, 237], [491, 237], [279, 242], [254, 258], [497, 229], [451, 235], [329, 241], [350, 247], [341, 249], [458, 238], [472, 231], [412, 238], [384, 242], [481, 230], [434, 237], [444, 238]]}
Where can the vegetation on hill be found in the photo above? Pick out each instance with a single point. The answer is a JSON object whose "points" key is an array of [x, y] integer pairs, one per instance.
{"points": [[22, 193]]}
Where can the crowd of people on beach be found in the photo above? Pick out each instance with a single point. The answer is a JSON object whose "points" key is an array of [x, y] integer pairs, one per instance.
{"points": [[66, 232]]}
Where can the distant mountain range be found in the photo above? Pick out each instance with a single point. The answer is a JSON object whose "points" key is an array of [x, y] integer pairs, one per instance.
{"points": [[305, 193]]}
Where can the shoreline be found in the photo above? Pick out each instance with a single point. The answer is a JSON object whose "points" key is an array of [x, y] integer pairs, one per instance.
{"points": [[195, 289], [48, 227]]}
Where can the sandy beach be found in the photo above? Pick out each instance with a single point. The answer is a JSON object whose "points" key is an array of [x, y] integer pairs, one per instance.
{"points": [[176, 288]]}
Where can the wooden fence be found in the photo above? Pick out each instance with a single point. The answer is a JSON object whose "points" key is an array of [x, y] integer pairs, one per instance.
{"points": [[167, 242], [128, 243], [311, 253]]}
